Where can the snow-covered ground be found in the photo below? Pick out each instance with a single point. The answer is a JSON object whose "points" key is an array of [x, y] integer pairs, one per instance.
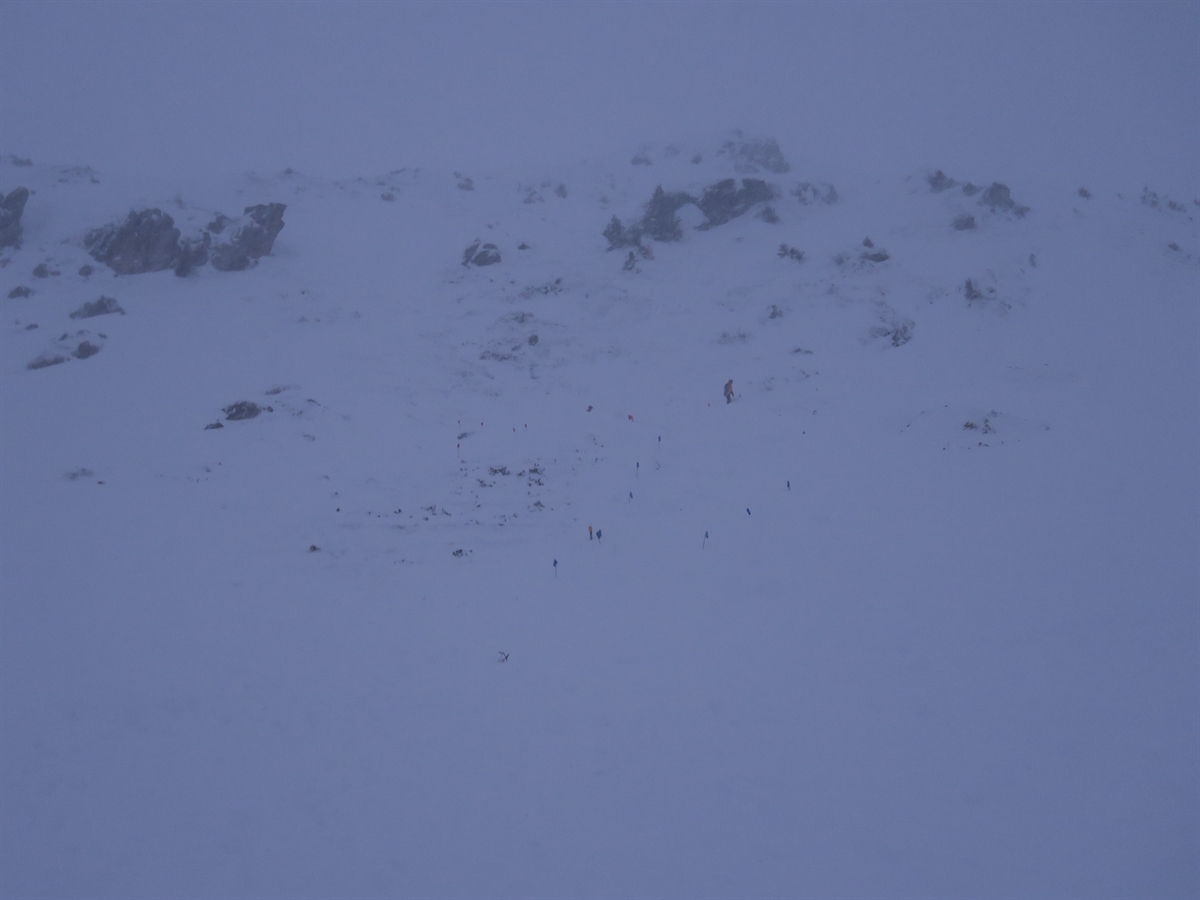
{"points": [[914, 615]]}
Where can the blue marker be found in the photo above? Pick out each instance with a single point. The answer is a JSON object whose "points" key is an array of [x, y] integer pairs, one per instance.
{"points": [[556, 568], [747, 510]]}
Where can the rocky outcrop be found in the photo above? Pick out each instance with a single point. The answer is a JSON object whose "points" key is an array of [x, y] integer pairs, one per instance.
{"points": [[724, 200], [146, 241], [193, 253], [250, 238], [11, 207], [242, 409], [102, 307], [754, 155], [999, 198], [719, 203], [80, 345]]}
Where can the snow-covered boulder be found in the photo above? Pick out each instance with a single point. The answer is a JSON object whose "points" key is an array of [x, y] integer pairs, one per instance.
{"points": [[250, 238]]}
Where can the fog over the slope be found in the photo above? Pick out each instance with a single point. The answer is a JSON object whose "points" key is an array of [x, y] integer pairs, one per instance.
{"points": [[1102, 93]]}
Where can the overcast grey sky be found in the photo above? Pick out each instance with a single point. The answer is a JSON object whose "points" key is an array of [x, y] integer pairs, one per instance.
{"points": [[1075, 90]]}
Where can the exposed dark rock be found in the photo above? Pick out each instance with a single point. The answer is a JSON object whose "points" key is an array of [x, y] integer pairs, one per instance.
{"points": [[561, 191], [971, 189], [769, 215], [251, 239], [533, 340], [939, 181], [963, 222], [523, 246], [84, 350], [11, 207], [998, 197], [487, 255], [102, 307], [724, 200], [697, 159], [900, 332], [464, 183], [877, 257], [388, 196], [193, 253], [1085, 193], [211, 426], [46, 360], [641, 160], [751, 156], [20, 161], [481, 255], [147, 241], [809, 192], [19, 291], [41, 270], [243, 409], [868, 243], [85, 271], [217, 225], [786, 252]]}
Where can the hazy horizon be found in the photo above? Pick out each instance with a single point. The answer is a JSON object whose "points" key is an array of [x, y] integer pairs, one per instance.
{"points": [[160, 90]]}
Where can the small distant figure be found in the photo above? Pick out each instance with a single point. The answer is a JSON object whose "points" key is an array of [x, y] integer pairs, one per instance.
{"points": [[729, 391], [599, 534], [589, 532]]}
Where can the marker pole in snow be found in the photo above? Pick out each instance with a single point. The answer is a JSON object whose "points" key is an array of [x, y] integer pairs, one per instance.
{"points": [[556, 568], [637, 467], [705, 541]]}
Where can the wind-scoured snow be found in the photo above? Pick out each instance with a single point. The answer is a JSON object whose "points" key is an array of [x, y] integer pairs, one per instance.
{"points": [[914, 615]]}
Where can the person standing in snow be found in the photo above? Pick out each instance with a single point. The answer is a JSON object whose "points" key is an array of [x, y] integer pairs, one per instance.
{"points": [[729, 391]]}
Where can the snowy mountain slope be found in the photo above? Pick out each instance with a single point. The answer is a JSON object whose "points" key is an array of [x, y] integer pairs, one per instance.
{"points": [[914, 615]]}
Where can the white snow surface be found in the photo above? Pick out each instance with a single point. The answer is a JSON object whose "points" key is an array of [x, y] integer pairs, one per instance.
{"points": [[906, 618]]}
